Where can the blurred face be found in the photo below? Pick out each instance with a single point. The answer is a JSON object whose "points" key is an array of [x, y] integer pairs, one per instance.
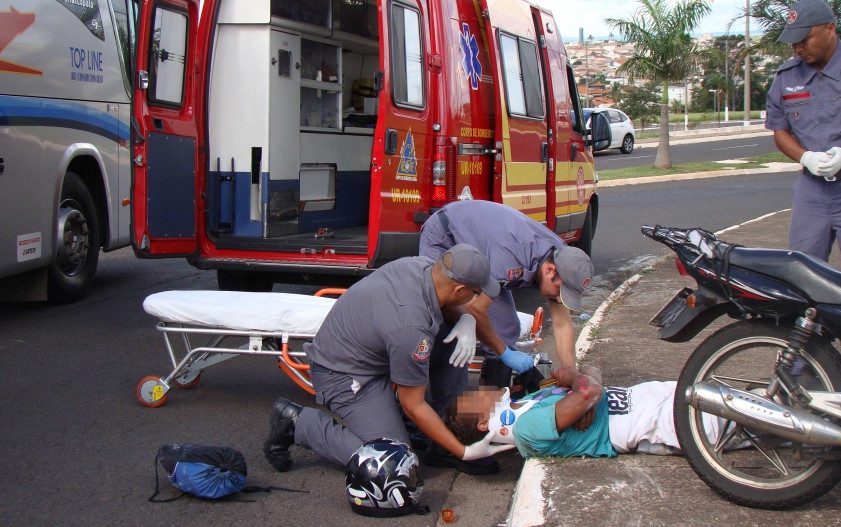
{"points": [[548, 281], [818, 46], [478, 403]]}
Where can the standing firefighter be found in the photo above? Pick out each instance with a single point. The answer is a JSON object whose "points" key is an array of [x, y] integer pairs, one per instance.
{"points": [[803, 113]]}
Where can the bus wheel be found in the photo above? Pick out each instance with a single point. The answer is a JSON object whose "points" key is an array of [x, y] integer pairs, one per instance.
{"points": [[243, 281], [77, 246]]}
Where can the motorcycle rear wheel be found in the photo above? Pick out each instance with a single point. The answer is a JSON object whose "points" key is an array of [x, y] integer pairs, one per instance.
{"points": [[746, 466]]}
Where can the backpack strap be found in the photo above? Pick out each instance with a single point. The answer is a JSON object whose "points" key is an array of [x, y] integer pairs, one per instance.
{"points": [[158, 487]]}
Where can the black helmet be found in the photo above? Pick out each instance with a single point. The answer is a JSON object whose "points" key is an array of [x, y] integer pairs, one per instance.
{"points": [[382, 479]]}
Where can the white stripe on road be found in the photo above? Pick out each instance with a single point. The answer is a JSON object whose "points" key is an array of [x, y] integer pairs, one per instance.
{"points": [[731, 147]]}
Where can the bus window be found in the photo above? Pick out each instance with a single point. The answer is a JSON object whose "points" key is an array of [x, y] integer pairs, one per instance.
{"points": [[168, 53], [125, 17]]}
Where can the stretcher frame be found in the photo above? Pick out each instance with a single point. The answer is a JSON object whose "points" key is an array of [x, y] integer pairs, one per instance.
{"points": [[152, 391]]}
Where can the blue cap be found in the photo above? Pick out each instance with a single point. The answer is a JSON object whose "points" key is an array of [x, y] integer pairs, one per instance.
{"points": [[802, 17]]}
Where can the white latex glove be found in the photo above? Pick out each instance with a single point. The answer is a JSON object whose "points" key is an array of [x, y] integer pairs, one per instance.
{"points": [[828, 169], [811, 161], [483, 448], [465, 332]]}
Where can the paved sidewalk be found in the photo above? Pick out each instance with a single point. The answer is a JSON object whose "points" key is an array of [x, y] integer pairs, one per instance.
{"points": [[638, 489]]}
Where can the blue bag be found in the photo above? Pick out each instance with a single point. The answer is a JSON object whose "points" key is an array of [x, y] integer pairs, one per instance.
{"points": [[209, 472]]}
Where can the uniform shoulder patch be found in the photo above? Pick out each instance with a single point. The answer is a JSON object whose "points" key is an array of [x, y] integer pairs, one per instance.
{"points": [[423, 351]]}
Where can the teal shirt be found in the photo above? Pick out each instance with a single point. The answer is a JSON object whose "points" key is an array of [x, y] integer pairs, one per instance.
{"points": [[536, 434]]}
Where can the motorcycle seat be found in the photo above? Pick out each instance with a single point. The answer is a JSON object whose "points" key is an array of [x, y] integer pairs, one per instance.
{"points": [[817, 280]]}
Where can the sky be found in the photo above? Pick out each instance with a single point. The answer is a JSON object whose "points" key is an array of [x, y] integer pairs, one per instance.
{"points": [[590, 15]]}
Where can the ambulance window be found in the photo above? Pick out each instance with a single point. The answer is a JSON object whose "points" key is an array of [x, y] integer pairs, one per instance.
{"points": [[575, 106], [167, 56], [406, 51], [522, 76]]}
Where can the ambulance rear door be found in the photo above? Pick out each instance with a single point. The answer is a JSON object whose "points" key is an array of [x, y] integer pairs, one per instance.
{"points": [[166, 142], [521, 118]]}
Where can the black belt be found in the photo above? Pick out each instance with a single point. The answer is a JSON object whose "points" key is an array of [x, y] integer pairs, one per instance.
{"points": [[318, 368]]}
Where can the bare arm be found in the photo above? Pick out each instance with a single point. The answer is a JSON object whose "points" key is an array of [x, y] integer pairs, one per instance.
{"points": [[412, 400], [578, 402], [564, 333], [788, 144]]}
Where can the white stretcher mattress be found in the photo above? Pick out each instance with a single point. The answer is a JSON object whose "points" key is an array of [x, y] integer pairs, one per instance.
{"points": [[267, 312]]}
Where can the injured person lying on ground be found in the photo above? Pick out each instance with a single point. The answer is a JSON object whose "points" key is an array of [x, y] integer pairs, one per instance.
{"points": [[634, 419]]}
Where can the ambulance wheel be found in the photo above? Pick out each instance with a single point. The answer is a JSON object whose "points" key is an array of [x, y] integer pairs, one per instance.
{"points": [[243, 281], [151, 392], [189, 381], [77, 246], [627, 144], [585, 242]]}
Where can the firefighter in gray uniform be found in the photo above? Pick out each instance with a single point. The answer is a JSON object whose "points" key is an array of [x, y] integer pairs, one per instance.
{"points": [[803, 111], [522, 253], [381, 333]]}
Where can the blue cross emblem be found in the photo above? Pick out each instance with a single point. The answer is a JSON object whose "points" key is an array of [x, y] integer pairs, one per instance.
{"points": [[507, 417], [470, 53]]}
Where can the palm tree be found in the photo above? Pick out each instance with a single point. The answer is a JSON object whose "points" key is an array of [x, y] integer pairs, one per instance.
{"points": [[663, 51]]}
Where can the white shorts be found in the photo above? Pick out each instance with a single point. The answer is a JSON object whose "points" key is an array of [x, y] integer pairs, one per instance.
{"points": [[642, 417]]}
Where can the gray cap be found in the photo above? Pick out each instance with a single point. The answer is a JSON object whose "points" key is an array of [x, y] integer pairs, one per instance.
{"points": [[576, 273], [466, 265], [802, 17]]}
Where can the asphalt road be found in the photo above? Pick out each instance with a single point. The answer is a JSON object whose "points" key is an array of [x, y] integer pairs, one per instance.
{"points": [[689, 153], [77, 449]]}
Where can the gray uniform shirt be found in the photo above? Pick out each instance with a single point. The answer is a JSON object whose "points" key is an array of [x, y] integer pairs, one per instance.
{"points": [[515, 245], [385, 324], [806, 101]]}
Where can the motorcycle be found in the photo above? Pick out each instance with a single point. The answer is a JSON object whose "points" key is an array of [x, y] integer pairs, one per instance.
{"points": [[758, 403]]}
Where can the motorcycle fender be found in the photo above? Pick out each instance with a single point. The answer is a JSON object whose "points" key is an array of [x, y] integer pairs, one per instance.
{"points": [[686, 325]]}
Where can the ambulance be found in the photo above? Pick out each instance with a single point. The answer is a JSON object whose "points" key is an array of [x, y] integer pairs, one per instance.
{"points": [[286, 140]]}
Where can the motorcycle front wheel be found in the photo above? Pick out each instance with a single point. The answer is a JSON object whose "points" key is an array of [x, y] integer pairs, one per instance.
{"points": [[746, 466]]}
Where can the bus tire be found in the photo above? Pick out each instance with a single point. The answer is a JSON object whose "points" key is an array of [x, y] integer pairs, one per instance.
{"points": [[77, 245]]}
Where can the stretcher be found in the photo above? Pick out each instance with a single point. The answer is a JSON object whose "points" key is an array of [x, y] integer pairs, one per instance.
{"points": [[232, 323]]}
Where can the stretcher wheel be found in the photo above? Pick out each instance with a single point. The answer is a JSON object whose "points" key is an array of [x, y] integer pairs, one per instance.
{"points": [[188, 381], [151, 391]]}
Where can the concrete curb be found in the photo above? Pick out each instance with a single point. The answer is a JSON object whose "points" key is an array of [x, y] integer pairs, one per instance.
{"points": [[772, 168], [528, 503]]}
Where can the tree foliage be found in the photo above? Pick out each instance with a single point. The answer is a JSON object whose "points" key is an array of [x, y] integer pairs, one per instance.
{"points": [[771, 15], [641, 103]]}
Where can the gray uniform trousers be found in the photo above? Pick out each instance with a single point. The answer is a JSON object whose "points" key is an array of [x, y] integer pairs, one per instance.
{"points": [[815, 216], [372, 411]]}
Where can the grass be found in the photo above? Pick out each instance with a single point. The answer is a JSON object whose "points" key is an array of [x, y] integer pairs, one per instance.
{"points": [[685, 168]]}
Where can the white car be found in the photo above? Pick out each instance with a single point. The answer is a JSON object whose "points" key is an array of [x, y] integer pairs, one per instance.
{"points": [[621, 128]]}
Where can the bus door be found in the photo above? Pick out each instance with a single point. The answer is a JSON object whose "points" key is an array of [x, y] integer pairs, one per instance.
{"points": [[165, 136], [521, 122], [401, 154]]}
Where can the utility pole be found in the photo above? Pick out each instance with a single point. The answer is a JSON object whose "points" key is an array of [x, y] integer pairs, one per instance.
{"points": [[727, 78], [747, 62], [587, 67]]}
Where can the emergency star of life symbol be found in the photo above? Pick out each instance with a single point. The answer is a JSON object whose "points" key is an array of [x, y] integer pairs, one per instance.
{"points": [[579, 185], [470, 56]]}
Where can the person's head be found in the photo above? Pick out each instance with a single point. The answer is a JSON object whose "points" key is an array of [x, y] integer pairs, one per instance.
{"points": [[469, 414], [564, 276], [810, 29], [461, 274]]}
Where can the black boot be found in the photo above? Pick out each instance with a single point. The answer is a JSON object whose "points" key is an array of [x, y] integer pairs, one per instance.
{"points": [[281, 434], [435, 456]]}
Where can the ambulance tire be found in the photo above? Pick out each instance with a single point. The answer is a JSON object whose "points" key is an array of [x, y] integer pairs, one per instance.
{"points": [[585, 243], [78, 243], [243, 281]]}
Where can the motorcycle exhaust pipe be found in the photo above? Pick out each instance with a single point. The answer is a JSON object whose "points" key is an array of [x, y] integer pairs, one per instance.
{"points": [[758, 413]]}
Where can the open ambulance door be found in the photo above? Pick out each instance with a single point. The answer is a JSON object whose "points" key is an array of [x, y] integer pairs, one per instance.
{"points": [[166, 145], [521, 108]]}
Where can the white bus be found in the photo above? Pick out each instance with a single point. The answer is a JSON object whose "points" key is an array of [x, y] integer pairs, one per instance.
{"points": [[65, 157]]}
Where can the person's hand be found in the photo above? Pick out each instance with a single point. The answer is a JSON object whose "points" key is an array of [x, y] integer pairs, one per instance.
{"points": [[592, 371], [828, 169], [586, 420], [465, 348], [812, 161], [517, 360], [483, 448]]}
